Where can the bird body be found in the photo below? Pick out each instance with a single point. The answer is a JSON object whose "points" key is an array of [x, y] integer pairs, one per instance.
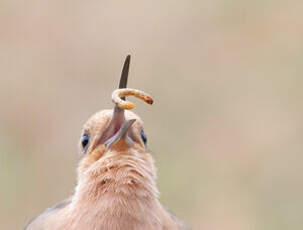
{"points": [[116, 186]]}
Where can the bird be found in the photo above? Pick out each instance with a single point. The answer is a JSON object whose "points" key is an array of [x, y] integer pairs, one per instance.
{"points": [[116, 183]]}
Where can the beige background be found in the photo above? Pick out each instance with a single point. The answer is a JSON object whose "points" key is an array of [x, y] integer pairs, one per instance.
{"points": [[226, 128]]}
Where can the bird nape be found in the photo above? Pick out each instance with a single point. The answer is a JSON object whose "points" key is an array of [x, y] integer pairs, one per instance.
{"points": [[116, 187]]}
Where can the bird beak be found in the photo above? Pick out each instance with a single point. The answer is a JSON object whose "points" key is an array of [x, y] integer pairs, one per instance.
{"points": [[118, 114], [124, 74], [118, 127], [121, 134]]}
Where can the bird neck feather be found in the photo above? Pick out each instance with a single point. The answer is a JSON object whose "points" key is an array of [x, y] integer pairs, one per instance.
{"points": [[119, 188]]}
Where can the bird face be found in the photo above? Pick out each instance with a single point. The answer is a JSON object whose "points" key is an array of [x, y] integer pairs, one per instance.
{"points": [[114, 132], [107, 130]]}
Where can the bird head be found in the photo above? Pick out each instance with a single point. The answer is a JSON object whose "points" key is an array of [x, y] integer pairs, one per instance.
{"points": [[113, 136], [116, 186]]}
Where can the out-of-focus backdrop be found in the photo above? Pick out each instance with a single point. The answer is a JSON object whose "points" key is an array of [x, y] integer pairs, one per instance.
{"points": [[226, 128]]}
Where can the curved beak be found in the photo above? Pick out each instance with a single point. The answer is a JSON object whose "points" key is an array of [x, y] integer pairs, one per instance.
{"points": [[124, 74], [118, 114], [118, 127], [121, 134]]}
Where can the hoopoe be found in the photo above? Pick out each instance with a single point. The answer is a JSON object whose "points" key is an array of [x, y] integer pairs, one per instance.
{"points": [[116, 188]]}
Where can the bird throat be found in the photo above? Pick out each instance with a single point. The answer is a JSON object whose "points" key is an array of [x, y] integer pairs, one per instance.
{"points": [[120, 191]]}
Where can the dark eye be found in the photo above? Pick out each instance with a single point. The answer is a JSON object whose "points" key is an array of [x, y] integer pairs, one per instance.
{"points": [[143, 136], [84, 140]]}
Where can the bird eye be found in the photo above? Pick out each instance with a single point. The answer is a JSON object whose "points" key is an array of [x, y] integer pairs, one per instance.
{"points": [[143, 136], [84, 140]]}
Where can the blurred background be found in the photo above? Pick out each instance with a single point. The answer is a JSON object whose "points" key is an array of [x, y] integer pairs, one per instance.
{"points": [[227, 124]]}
